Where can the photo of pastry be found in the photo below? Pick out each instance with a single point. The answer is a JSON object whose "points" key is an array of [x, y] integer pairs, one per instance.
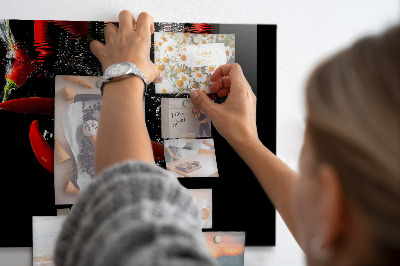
{"points": [[77, 112]]}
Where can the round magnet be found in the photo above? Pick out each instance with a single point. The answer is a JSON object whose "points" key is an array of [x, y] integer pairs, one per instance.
{"points": [[98, 83], [187, 102], [196, 39], [217, 239]]}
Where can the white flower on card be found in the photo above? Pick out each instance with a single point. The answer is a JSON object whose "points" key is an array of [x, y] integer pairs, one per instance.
{"points": [[229, 52], [211, 69], [199, 76], [203, 87], [197, 39], [170, 35], [184, 77]]}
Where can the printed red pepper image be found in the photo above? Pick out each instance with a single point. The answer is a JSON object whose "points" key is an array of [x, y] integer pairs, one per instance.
{"points": [[20, 71], [42, 41], [76, 28], [158, 151], [42, 150], [36, 105], [203, 28]]}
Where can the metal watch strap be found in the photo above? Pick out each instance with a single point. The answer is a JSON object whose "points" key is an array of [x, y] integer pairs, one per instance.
{"points": [[135, 72]]}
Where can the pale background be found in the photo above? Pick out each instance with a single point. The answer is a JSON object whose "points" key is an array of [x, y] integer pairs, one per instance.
{"points": [[307, 32]]}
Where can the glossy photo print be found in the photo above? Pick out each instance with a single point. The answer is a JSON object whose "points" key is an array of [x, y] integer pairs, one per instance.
{"points": [[191, 157], [204, 199], [180, 118], [188, 60], [226, 247], [45, 230], [77, 112]]}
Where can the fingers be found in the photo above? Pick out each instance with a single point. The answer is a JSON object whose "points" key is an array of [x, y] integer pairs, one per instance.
{"points": [[110, 31], [234, 71], [223, 92], [126, 22], [203, 102], [225, 82], [145, 23], [97, 48]]}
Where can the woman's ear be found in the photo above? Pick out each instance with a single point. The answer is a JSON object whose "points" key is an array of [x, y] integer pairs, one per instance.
{"points": [[332, 208]]}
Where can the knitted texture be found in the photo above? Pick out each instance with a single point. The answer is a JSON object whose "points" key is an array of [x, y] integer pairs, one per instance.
{"points": [[134, 213]]}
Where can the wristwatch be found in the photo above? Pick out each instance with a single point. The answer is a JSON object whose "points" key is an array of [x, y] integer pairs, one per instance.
{"points": [[121, 71]]}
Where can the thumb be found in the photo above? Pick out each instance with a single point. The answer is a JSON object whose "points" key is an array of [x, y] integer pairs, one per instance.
{"points": [[202, 101]]}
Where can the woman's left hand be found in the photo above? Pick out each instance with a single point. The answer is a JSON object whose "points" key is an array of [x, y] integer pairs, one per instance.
{"points": [[129, 43]]}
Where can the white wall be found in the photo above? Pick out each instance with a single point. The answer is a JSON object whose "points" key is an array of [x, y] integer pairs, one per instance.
{"points": [[307, 32]]}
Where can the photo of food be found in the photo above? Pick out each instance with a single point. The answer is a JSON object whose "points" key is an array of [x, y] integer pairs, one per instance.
{"points": [[188, 60], [204, 199], [77, 112], [191, 157]]}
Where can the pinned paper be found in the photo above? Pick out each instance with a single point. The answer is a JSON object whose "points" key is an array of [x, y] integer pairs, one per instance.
{"points": [[226, 247], [45, 231], [193, 158], [188, 60], [63, 212], [180, 121], [204, 199], [205, 55]]}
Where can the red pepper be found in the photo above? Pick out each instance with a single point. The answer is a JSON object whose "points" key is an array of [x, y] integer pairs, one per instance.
{"points": [[158, 151], [43, 152], [42, 41], [203, 28], [19, 72], [21, 54], [30, 105], [76, 28]]}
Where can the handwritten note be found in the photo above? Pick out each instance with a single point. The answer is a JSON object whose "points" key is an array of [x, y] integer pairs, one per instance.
{"points": [[210, 54], [175, 118]]}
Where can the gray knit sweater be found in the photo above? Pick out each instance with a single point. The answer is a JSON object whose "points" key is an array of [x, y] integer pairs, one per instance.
{"points": [[134, 213]]}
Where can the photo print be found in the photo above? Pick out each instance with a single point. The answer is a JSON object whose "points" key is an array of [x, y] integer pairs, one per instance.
{"points": [[226, 247], [204, 199], [191, 157], [180, 118], [188, 60], [77, 111], [45, 230]]}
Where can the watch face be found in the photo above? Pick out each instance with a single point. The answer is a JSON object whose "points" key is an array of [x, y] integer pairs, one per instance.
{"points": [[118, 69]]}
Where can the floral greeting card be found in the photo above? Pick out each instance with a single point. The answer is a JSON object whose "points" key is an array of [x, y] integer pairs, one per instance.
{"points": [[188, 60]]}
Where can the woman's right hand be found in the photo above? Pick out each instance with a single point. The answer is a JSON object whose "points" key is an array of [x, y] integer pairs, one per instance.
{"points": [[235, 119]]}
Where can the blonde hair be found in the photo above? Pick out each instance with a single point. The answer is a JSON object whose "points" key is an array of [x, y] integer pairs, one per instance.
{"points": [[353, 120]]}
